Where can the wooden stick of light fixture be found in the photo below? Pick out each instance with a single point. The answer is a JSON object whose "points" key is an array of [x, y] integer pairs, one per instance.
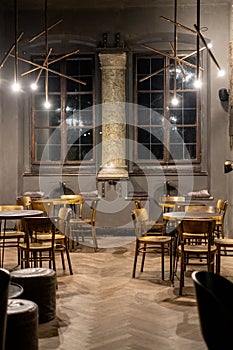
{"points": [[169, 65], [11, 49], [53, 61], [44, 31], [49, 70], [44, 65], [208, 49], [169, 56]]}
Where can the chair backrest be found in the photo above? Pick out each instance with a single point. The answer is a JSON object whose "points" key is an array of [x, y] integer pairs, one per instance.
{"points": [[46, 206], [215, 307], [197, 228], [138, 203], [139, 216], [25, 201], [221, 206], [4, 288], [76, 200], [62, 222], [11, 207], [173, 199], [199, 208], [38, 224]]}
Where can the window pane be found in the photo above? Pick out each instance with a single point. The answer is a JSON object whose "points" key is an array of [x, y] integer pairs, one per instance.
{"points": [[47, 144]]}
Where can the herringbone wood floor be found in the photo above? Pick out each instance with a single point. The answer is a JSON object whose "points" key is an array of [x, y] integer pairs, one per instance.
{"points": [[101, 307]]}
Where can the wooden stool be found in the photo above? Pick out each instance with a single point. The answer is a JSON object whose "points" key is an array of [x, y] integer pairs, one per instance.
{"points": [[22, 325], [39, 285]]}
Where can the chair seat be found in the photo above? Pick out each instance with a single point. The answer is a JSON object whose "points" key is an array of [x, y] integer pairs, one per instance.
{"points": [[48, 237], [202, 248], [154, 239], [226, 242], [12, 234], [37, 246]]}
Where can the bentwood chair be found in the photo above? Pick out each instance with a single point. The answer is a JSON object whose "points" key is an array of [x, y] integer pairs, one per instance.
{"points": [[215, 308], [81, 226], [195, 245], [34, 253], [12, 236], [46, 206], [4, 289], [25, 201], [149, 242], [221, 208], [61, 244], [225, 249]]}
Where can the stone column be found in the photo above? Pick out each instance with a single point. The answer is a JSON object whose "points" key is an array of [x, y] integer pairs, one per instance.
{"points": [[113, 116]]}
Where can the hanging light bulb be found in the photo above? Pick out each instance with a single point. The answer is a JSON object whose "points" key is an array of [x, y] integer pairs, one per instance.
{"points": [[47, 104], [221, 73], [197, 84], [174, 101], [16, 86], [34, 86]]}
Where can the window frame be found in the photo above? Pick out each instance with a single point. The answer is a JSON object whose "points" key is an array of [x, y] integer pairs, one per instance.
{"points": [[198, 125], [63, 93]]}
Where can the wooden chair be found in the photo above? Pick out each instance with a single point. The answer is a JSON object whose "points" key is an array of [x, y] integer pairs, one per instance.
{"points": [[47, 207], [32, 252], [62, 223], [25, 201], [149, 242], [224, 248], [14, 236], [81, 225], [195, 245], [221, 208], [61, 244]]}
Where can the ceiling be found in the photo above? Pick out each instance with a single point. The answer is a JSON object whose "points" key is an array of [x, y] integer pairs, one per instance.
{"points": [[75, 4]]}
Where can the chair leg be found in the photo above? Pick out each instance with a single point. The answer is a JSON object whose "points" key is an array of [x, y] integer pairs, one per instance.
{"points": [[218, 260], [143, 258], [68, 257], [62, 260], [162, 260], [135, 259], [93, 233], [182, 269]]}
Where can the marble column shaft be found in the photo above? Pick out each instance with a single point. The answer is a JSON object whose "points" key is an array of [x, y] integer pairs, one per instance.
{"points": [[113, 116]]}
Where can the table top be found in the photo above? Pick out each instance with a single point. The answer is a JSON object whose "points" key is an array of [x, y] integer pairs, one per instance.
{"points": [[179, 215], [58, 201], [18, 214], [171, 204], [15, 290]]}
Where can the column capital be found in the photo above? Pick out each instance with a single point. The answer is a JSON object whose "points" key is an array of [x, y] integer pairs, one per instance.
{"points": [[113, 60]]}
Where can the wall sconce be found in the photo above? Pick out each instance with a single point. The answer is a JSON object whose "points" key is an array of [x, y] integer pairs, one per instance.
{"points": [[223, 95], [228, 166]]}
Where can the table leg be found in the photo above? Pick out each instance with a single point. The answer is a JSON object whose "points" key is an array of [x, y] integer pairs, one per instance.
{"points": [[3, 242]]}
